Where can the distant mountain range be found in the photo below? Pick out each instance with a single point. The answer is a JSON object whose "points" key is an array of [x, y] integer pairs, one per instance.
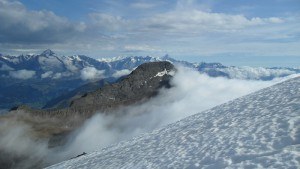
{"points": [[38, 79]]}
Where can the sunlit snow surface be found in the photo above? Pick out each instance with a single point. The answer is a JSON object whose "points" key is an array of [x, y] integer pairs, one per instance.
{"points": [[258, 130]]}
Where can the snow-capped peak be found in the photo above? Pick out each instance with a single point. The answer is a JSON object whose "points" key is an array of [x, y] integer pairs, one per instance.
{"points": [[112, 59], [48, 52]]}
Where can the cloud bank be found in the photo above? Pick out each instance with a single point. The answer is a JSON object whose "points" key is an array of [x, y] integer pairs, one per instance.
{"points": [[121, 73], [180, 28], [192, 93], [22, 74], [91, 73], [20, 25]]}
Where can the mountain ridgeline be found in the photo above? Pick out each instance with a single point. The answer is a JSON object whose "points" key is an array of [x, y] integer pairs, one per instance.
{"points": [[144, 82], [55, 125], [27, 77], [141, 84]]}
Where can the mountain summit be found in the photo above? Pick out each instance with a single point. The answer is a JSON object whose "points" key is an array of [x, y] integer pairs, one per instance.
{"points": [[142, 83], [48, 52]]}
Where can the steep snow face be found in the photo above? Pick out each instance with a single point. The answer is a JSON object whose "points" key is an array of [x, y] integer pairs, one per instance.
{"points": [[261, 130], [49, 63]]}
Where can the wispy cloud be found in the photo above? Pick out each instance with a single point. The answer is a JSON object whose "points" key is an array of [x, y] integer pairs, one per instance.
{"points": [[142, 5], [22, 74], [91, 73]]}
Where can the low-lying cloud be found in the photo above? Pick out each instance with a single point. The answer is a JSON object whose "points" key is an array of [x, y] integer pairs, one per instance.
{"points": [[46, 74], [17, 144], [253, 73], [121, 73], [192, 93], [22, 74], [91, 73]]}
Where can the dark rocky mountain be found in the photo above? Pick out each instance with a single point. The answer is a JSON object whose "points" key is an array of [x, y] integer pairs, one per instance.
{"points": [[54, 125], [64, 100], [143, 83]]}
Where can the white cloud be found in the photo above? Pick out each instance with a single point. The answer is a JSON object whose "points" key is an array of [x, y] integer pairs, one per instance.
{"points": [[192, 93], [185, 28], [46, 74], [109, 22], [188, 20], [19, 24], [57, 75], [91, 73], [275, 20], [121, 73], [257, 73], [22, 74], [142, 5], [199, 21], [16, 140], [140, 47]]}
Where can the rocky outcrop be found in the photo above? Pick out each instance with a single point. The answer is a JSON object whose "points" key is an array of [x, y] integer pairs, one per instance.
{"points": [[142, 83], [55, 125]]}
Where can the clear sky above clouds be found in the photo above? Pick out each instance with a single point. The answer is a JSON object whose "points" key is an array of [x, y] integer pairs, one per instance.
{"points": [[256, 32]]}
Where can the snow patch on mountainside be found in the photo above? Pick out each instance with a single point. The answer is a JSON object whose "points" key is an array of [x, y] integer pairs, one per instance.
{"points": [[260, 130]]}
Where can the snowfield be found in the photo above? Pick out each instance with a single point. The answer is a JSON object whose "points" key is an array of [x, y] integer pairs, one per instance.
{"points": [[261, 130]]}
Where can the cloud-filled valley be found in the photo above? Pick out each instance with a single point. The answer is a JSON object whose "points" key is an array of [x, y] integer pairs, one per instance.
{"points": [[88, 76], [191, 93]]}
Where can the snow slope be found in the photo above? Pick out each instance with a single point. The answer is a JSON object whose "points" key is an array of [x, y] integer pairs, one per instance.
{"points": [[261, 130]]}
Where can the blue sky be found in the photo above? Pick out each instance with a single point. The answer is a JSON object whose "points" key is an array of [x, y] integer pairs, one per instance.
{"points": [[255, 33]]}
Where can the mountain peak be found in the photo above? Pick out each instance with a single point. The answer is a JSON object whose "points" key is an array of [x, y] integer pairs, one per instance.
{"points": [[48, 52], [167, 58]]}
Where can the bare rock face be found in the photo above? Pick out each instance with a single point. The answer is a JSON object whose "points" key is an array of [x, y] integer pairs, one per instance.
{"points": [[142, 83]]}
